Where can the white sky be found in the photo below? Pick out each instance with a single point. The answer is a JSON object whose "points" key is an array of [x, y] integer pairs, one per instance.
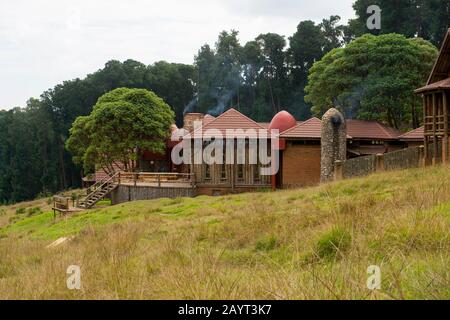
{"points": [[44, 42]]}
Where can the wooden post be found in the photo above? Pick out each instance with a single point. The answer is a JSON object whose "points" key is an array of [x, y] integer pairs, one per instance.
{"points": [[159, 180], [425, 137], [192, 180], [338, 170], [379, 162], [435, 138], [422, 160], [445, 153]]}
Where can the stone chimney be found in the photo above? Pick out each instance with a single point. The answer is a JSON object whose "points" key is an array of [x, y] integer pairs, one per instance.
{"points": [[189, 118], [333, 142]]}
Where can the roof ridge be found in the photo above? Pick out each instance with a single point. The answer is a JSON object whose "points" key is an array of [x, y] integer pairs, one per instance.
{"points": [[203, 125], [411, 131], [224, 113], [299, 124], [444, 42], [383, 128]]}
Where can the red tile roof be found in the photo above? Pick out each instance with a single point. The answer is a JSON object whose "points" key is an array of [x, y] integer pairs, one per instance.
{"points": [[208, 118], [230, 119], [309, 129], [414, 135], [443, 84], [363, 129], [356, 129]]}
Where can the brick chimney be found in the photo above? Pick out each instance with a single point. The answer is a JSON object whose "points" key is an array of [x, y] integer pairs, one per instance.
{"points": [[189, 118]]}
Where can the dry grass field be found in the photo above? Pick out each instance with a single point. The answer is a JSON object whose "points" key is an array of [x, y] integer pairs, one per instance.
{"points": [[314, 243]]}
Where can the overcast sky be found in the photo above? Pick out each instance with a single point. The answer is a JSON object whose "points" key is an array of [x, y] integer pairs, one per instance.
{"points": [[44, 42]]}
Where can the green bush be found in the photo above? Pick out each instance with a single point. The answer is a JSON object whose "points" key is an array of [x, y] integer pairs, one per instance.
{"points": [[20, 210], [34, 211], [267, 243], [331, 243]]}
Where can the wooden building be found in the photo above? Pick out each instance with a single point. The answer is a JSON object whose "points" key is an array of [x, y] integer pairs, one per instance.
{"points": [[299, 151], [413, 138], [436, 107]]}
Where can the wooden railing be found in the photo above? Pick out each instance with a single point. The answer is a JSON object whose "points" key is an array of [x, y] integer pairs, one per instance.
{"points": [[158, 178], [98, 186]]}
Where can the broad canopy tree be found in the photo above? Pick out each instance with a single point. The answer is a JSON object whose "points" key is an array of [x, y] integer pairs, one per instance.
{"points": [[373, 78], [123, 123]]}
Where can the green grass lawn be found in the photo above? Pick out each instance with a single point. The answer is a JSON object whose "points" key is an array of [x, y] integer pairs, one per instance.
{"points": [[295, 244]]}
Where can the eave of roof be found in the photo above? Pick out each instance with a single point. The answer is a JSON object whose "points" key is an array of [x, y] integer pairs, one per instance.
{"points": [[413, 135], [229, 120], [440, 85], [444, 54], [364, 129], [309, 129]]}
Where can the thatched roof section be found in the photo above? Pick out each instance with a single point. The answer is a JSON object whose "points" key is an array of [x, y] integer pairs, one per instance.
{"points": [[441, 69]]}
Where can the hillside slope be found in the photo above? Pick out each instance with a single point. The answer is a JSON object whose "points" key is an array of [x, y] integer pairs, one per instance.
{"points": [[299, 244]]}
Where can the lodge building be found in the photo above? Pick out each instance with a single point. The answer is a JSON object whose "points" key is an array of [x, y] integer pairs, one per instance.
{"points": [[436, 107], [300, 149]]}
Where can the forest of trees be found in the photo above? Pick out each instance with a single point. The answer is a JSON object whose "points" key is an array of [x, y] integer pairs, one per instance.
{"points": [[259, 78]]}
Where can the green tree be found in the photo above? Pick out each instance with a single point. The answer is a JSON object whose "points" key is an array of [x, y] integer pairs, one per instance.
{"points": [[174, 83], [428, 19], [373, 78], [274, 68], [123, 123]]}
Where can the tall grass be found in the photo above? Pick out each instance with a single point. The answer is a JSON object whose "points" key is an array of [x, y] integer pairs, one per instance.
{"points": [[299, 244]]}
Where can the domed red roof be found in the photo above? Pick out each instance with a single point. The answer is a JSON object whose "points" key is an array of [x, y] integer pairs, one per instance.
{"points": [[282, 121]]}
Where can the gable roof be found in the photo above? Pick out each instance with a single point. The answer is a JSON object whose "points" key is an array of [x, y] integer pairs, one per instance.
{"points": [[230, 119], [364, 129], [443, 84], [208, 118], [356, 129], [414, 135], [441, 68], [311, 128]]}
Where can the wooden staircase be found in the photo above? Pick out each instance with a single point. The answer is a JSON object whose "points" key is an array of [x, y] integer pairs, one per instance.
{"points": [[98, 191]]}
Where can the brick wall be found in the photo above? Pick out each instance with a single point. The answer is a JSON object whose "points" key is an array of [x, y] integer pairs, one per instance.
{"points": [[301, 165]]}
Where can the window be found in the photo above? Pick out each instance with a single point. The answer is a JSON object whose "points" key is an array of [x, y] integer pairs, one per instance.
{"points": [[240, 172], [207, 172], [256, 173], [223, 171], [223, 168]]}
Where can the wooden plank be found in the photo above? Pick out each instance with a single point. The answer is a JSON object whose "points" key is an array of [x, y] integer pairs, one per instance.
{"points": [[445, 147], [425, 141], [435, 139]]}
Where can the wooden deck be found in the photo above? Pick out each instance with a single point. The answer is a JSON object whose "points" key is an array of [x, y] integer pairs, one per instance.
{"points": [[161, 180]]}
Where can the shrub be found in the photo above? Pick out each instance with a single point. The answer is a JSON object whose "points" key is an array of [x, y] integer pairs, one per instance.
{"points": [[267, 244], [20, 210], [33, 211], [331, 243]]}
